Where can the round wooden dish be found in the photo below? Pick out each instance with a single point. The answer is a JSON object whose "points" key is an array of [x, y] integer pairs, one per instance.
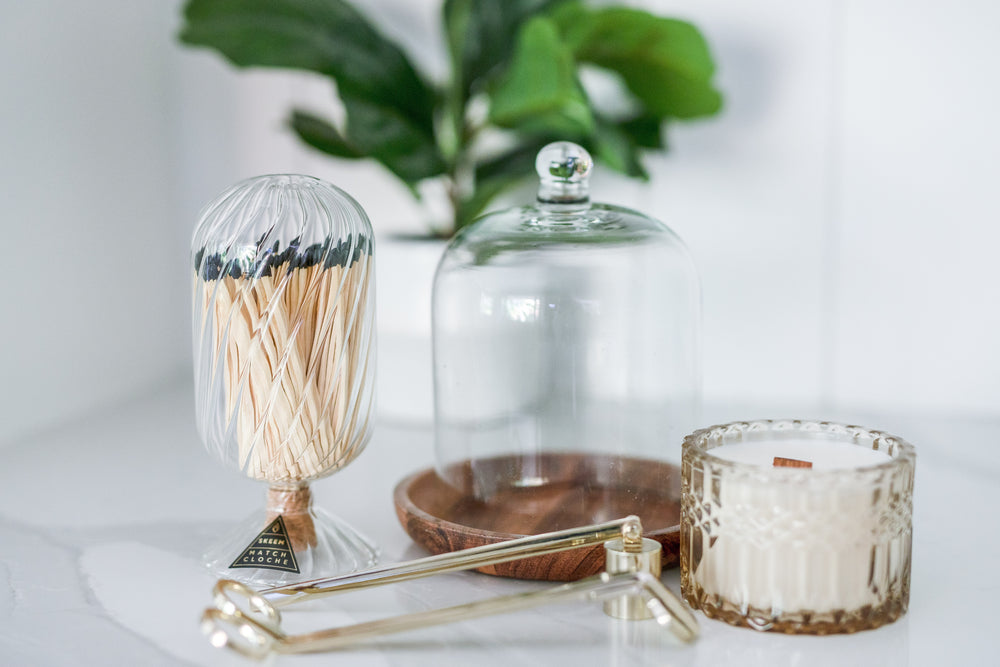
{"points": [[442, 518]]}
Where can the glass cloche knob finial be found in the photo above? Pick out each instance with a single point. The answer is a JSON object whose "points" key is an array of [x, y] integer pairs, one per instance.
{"points": [[564, 172]]}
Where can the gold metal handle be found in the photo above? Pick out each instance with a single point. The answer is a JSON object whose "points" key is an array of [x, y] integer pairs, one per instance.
{"points": [[249, 622], [466, 559], [256, 640]]}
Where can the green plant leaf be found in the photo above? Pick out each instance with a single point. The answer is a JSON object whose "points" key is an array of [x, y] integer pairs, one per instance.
{"points": [[471, 207], [539, 92], [496, 175], [377, 132], [664, 62], [645, 131], [321, 135], [516, 162], [325, 36], [480, 35], [615, 148], [392, 138]]}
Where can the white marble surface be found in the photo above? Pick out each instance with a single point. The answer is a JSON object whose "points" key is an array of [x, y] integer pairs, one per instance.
{"points": [[102, 523]]}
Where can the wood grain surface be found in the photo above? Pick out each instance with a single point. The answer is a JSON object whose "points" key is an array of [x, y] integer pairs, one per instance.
{"points": [[582, 489]]}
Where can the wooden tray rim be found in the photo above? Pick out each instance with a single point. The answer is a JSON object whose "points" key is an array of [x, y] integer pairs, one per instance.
{"points": [[403, 502]]}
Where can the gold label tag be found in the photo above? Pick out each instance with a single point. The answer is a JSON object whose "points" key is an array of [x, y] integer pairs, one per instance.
{"points": [[270, 550]]}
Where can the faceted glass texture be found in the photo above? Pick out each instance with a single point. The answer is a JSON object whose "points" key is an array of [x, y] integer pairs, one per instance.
{"points": [[796, 550]]}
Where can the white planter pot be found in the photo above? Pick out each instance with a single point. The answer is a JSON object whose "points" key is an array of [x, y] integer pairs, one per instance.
{"points": [[404, 277]]}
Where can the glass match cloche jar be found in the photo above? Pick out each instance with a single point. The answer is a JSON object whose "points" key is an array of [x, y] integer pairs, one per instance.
{"points": [[566, 355], [284, 365]]}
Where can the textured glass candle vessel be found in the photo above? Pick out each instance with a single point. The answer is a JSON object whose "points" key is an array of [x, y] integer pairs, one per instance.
{"points": [[566, 356], [284, 361], [770, 544]]}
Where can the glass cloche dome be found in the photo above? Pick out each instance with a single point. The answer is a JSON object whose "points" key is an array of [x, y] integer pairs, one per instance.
{"points": [[566, 353]]}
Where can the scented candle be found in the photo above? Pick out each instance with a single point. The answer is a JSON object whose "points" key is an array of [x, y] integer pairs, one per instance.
{"points": [[799, 527]]}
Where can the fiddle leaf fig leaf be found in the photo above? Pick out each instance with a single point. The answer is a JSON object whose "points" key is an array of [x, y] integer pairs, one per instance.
{"points": [[376, 132], [472, 206], [480, 35], [664, 62], [496, 175], [321, 135], [392, 138], [615, 148], [329, 37], [539, 93], [514, 163], [645, 131]]}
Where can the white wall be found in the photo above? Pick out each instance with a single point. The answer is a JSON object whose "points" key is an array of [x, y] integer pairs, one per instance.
{"points": [[93, 297], [918, 301], [840, 209]]}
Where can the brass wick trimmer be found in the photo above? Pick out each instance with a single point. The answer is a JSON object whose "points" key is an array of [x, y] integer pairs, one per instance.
{"points": [[248, 621]]}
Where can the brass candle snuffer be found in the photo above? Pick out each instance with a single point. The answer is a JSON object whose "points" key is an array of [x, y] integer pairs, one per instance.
{"points": [[248, 621]]}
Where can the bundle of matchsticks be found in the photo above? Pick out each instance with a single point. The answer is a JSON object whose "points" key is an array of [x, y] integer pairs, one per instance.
{"points": [[294, 327]]}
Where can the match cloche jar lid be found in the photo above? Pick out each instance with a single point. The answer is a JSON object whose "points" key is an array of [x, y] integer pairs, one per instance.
{"points": [[566, 343]]}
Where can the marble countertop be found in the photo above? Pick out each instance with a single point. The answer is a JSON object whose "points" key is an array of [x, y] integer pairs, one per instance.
{"points": [[103, 522]]}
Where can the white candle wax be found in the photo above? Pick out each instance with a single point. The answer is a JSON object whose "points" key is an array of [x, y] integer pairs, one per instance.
{"points": [[796, 543], [824, 455]]}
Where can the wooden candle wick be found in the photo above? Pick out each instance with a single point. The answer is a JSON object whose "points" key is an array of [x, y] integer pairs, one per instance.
{"points": [[782, 462], [294, 505]]}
